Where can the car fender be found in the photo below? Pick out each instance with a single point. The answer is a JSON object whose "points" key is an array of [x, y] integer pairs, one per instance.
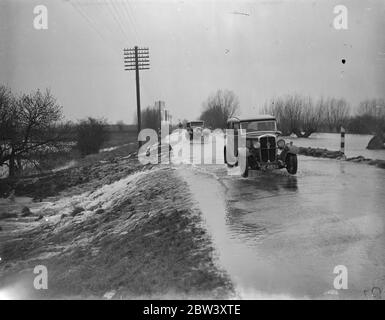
{"points": [[247, 151], [291, 149]]}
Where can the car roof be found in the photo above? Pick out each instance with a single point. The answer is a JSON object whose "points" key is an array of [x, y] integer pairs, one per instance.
{"points": [[256, 118], [195, 121]]}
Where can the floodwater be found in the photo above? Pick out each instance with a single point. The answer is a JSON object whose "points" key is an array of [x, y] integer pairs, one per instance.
{"points": [[281, 236], [355, 144]]}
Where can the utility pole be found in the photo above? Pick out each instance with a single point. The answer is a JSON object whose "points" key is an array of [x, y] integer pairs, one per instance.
{"points": [[160, 105], [137, 59]]}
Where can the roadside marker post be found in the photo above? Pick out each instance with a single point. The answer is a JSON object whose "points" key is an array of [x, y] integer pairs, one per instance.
{"points": [[342, 149]]}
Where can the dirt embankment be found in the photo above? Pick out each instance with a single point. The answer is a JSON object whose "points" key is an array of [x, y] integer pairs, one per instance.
{"points": [[87, 173], [320, 153], [132, 236]]}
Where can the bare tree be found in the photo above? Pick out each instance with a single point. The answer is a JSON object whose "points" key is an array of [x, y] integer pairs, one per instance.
{"points": [[120, 124], [370, 119], [7, 123], [150, 118], [91, 134], [219, 107], [276, 107], [295, 114], [29, 128], [336, 113], [311, 117], [6, 114], [372, 107]]}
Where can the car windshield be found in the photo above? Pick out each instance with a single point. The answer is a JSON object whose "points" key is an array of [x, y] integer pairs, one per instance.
{"points": [[259, 125], [196, 124]]}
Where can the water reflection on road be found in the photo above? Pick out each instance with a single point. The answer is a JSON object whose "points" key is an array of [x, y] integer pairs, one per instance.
{"points": [[281, 236]]}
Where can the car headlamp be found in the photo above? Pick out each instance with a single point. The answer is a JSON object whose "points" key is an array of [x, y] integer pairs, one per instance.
{"points": [[256, 144], [281, 144]]}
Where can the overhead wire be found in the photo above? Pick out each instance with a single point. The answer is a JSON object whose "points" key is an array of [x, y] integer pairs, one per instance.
{"points": [[128, 24], [99, 7], [119, 21], [76, 6], [115, 16], [79, 7], [131, 18], [147, 92]]}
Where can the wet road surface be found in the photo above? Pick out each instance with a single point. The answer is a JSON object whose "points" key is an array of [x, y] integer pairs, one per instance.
{"points": [[281, 236]]}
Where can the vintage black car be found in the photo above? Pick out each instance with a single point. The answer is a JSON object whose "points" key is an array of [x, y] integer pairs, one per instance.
{"points": [[264, 149], [195, 129]]}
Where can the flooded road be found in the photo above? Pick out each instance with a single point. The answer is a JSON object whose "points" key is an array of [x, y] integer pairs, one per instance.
{"points": [[281, 236]]}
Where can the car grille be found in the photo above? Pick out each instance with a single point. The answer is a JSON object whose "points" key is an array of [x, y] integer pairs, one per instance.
{"points": [[268, 149]]}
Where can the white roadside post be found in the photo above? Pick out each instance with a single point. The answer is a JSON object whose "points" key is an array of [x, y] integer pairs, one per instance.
{"points": [[342, 149]]}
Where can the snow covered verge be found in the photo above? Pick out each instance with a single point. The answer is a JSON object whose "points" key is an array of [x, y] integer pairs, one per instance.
{"points": [[135, 237]]}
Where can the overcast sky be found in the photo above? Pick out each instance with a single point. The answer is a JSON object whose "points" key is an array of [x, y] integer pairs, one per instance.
{"points": [[258, 49]]}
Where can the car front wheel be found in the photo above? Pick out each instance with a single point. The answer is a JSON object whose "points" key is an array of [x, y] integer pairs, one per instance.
{"points": [[244, 166], [291, 163], [225, 160]]}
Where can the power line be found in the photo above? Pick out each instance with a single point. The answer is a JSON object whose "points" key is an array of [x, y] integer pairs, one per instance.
{"points": [[131, 11], [131, 18], [122, 22], [104, 23], [118, 38], [119, 29], [117, 4], [117, 19], [89, 21], [86, 18], [102, 16]]}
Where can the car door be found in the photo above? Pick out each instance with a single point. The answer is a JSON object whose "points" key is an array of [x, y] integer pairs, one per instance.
{"points": [[236, 128], [228, 133]]}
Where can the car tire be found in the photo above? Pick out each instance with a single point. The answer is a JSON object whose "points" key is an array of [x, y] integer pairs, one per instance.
{"points": [[291, 163], [225, 160], [244, 168]]}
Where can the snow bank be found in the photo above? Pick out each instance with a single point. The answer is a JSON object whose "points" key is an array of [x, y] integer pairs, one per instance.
{"points": [[105, 197], [70, 164]]}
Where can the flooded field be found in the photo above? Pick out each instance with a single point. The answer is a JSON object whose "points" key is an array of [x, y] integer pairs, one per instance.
{"points": [[355, 144]]}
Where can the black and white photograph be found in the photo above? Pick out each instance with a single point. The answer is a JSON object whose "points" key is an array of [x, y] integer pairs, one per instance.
{"points": [[192, 150]]}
